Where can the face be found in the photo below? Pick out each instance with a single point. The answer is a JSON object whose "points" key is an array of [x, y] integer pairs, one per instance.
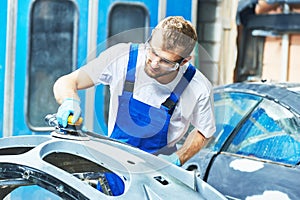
{"points": [[160, 62]]}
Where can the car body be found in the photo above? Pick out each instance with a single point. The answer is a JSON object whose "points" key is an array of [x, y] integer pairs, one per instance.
{"points": [[71, 164], [255, 152]]}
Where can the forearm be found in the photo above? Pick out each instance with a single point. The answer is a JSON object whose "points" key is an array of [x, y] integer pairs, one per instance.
{"points": [[64, 88], [68, 85], [193, 143]]}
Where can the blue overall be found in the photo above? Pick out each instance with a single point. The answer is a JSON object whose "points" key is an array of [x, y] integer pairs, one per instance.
{"points": [[140, 124]]}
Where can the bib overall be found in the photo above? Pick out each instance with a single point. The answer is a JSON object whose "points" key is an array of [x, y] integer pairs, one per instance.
{"points": [[140, 124]]}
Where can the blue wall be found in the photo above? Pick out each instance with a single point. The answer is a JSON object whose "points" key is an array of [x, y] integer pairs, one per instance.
{"points": [[22, 47], [3, 18]]}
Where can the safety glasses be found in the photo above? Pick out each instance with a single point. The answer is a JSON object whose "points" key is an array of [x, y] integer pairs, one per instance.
{"points": [[164, 63]]}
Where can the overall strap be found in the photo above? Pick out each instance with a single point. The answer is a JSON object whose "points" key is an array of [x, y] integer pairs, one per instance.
{"points": [[172, 100], [130, 75]]}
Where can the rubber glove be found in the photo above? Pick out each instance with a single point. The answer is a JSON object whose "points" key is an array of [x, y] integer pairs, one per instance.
{"points": [[173, 158], [68, 107]]}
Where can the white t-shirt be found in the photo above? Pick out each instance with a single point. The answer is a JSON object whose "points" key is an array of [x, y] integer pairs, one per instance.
{"points": [[195, 105]]}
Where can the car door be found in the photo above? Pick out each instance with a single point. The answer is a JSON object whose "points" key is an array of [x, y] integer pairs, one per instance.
{"points": [[260, 159]]}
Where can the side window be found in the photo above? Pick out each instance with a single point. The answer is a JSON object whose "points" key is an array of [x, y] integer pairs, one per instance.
{"points": [[51, 54], [272, 132], [127, 23], [230, 109]]}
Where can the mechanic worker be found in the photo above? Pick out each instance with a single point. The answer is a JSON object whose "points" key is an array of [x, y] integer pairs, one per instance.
{"points": [[156, 93]]}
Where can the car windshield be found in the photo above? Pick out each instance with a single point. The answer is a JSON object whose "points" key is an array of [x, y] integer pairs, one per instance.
{"points": [[262, 128], [271, 132], [230, 109]]}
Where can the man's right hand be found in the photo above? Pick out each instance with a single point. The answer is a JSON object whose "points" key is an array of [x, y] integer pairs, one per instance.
{"points": [[68, 107]]}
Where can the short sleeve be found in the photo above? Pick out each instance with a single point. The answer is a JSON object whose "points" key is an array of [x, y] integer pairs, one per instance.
{"points": [[109, 63], [203, 115]]}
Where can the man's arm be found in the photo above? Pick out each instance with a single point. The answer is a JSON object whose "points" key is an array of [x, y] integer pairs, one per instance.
{"points": [[68, 85], [193, 143], [65, 92]]}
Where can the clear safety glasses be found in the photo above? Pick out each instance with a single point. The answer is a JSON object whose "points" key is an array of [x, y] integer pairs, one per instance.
{"points": [[164, 63]]}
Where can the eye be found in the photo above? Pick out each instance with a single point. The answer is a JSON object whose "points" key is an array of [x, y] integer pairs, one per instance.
{"points": [[164, 62]]}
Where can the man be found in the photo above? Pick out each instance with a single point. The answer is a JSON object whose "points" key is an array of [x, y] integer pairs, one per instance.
{"points": [[155, 92]]}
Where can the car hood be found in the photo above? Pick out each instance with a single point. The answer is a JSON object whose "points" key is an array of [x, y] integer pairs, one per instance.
{"points": [[57, 159]]}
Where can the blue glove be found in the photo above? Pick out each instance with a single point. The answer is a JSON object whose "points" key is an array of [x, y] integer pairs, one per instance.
{"points": [[173, 158], [68, 107]]}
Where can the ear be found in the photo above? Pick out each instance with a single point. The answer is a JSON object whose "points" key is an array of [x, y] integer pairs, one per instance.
{"points": [[187, 59]]}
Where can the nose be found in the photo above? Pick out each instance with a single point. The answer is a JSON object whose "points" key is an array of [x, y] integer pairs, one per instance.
{"points": [[154, 62]]}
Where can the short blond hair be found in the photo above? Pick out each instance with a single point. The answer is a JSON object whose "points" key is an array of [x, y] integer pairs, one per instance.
{"points": [[177, 33]]}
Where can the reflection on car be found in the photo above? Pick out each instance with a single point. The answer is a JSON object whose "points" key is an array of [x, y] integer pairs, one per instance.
{"points": [[255, 152]]}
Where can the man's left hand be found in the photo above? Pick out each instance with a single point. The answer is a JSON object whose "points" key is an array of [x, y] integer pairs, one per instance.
{"points": [[173, 158]]}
